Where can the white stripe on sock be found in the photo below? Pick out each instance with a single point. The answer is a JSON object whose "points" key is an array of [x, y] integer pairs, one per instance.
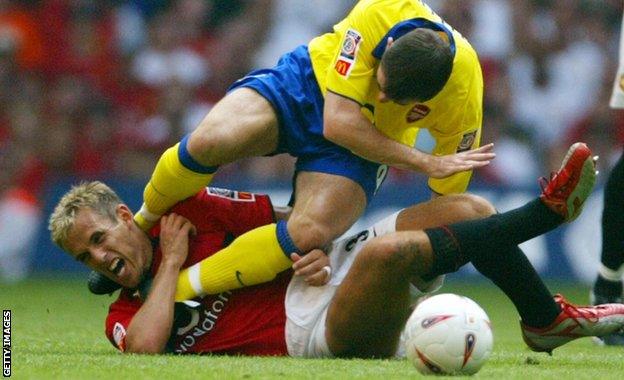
{"points": [[610, 274], [148, 215], [194, 279]]}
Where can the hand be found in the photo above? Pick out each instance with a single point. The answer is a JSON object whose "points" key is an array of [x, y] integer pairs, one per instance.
{"points": [[312, 266], [174, 238], [445, 166]]}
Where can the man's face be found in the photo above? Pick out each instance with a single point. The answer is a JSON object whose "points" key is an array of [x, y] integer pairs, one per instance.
{"points": [[117, 249]]}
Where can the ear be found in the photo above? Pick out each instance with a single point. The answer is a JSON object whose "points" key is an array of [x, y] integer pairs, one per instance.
{"points": [[124, 213], [389, 43]]}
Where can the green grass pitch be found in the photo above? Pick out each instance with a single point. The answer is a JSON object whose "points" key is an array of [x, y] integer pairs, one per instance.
{"points": [[57, 332]]}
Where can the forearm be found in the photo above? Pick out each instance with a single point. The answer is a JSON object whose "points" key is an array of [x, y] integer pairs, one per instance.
{"points": [[345, 125], [364, 140], [150, 328]]}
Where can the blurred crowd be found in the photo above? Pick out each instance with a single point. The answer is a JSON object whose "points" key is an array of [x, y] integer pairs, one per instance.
{"points": [[98, 89]]}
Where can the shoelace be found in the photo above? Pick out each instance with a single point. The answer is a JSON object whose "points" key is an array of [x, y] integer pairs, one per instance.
{"points": [[543, 182], [572, 310]]}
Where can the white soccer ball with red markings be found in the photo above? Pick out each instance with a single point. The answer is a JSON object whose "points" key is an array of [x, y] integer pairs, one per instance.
{"points": [[448, 334]]}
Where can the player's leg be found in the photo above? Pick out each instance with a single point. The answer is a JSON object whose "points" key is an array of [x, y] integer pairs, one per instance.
{"points": [[331, 192], [367, 314], [546, 323], [609, 281], [375, 291], [326, 205], [370, 307], [242, 124], [608, 285]]}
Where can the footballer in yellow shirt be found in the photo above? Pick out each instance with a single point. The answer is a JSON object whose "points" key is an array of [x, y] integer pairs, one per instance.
{"points": [[345, 106], [345, 62]]}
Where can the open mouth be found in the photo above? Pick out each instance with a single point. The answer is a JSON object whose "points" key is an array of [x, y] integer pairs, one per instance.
{"points": [[116, 266]]}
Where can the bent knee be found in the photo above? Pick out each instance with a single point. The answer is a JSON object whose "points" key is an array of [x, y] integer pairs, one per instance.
{"points": [[391, 253], [476, 207], [308, 234], [205, 145]]}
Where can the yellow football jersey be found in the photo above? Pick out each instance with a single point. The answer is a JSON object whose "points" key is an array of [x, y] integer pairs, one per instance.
{"points": [[345, 62]]}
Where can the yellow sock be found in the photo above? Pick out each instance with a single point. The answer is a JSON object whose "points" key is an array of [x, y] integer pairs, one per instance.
{"points": [[253, 258], [171, 182]]}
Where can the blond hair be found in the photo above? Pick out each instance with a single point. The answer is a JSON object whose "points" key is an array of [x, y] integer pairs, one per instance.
{"points": [[94, 195]]}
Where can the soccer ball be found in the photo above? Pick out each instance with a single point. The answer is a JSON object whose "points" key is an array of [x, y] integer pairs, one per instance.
{"points": [[448, 334]]}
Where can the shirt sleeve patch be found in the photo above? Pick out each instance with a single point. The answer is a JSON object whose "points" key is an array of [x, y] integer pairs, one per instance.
{"points": [[119, 336], [466, 142], [348, 52], [241, 196]]}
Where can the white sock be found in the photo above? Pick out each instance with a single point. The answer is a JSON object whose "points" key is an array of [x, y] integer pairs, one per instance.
{"points": [[610, 274]]}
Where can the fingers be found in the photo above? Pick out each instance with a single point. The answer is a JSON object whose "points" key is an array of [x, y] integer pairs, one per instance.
{"points": [[314, 267], [475, 156], [483, 153], [478, 164], [485, 148], [176, 222], [173, 224], [310, 258], [319, 278]]}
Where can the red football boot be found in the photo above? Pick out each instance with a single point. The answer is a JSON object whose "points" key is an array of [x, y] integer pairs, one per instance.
{"points": [[574, 322], [570, 186]]}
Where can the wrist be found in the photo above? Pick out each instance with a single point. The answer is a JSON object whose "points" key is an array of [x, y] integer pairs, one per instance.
{"points": [[170, 264], [422, 162]]}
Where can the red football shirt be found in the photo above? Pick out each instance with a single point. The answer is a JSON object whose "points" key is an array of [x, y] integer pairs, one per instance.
{"points": [[248, 321]]}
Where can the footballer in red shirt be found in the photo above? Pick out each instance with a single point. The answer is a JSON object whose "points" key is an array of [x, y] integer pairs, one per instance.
{"points": [[248, 321]]}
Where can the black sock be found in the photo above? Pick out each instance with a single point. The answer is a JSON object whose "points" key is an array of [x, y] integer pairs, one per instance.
{"points": [[505, 266], [606, 288], [491, 244], [513, 273], [612, 255], [454, 243]]}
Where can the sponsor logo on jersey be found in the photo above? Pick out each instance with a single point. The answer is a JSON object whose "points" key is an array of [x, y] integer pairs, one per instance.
{"points": [[348, 52], [466, 142], [343, 67], [418, 112], [119, 336], [203, 320], [242, 196]]}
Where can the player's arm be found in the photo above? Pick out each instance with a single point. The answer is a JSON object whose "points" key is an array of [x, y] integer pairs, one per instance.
{"points": [[345, 125], [150, 328]]}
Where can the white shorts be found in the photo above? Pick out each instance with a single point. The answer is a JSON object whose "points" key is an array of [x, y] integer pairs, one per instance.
{"points": [[306, 306]]}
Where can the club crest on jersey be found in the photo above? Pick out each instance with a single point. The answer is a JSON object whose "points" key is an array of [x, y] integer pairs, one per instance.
{"points": [[348, 52], [466, 142], [621, 82], [418, 112], [242, 196]]}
